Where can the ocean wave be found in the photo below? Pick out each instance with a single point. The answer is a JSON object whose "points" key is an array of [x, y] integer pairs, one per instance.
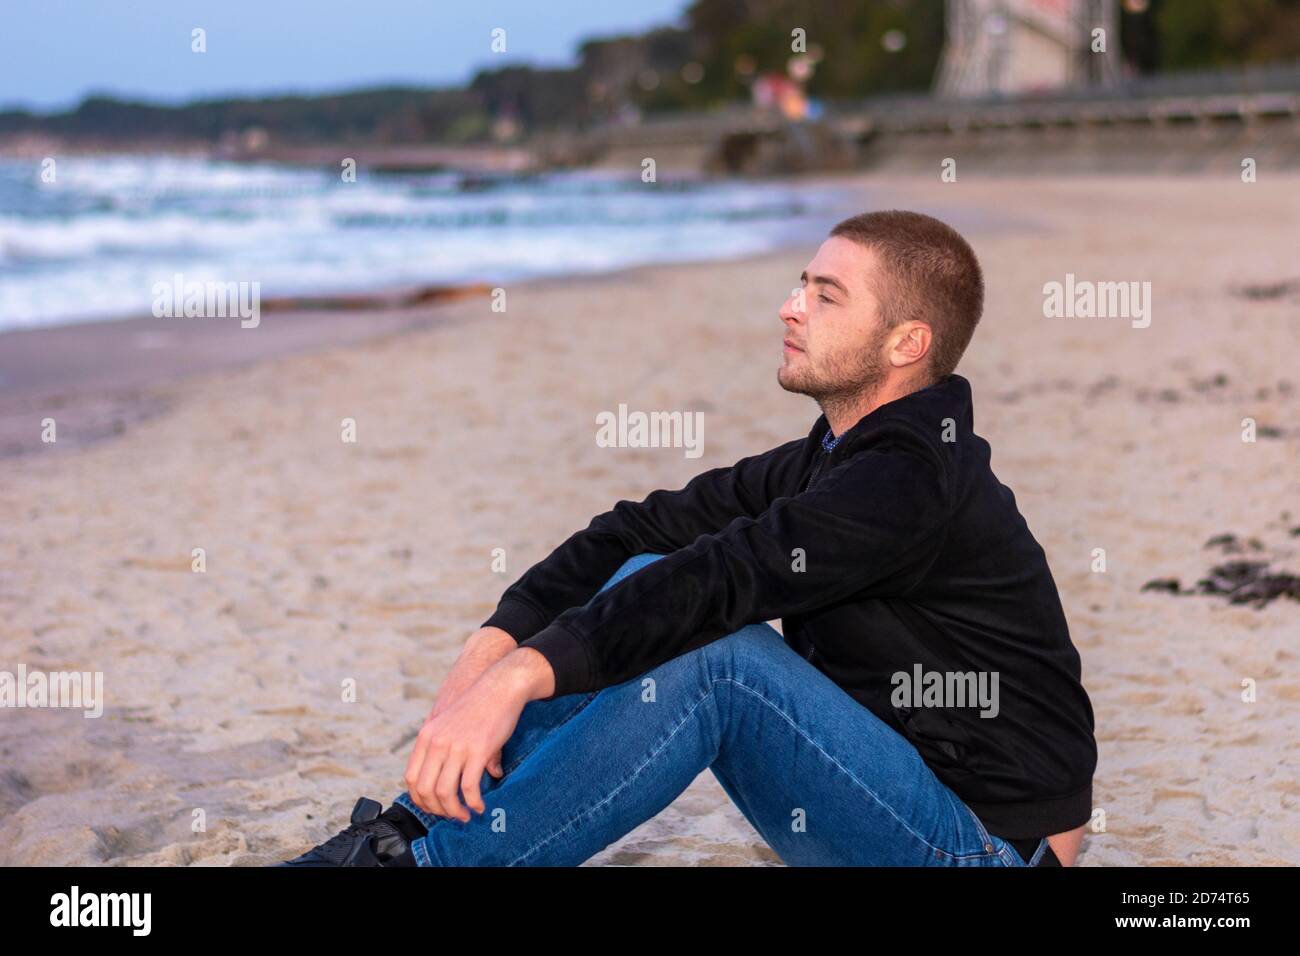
{"points": [[92, 243]]}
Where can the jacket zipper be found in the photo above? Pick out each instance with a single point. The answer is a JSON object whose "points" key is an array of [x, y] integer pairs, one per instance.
{"points": [[817, 467], [822, 455]]}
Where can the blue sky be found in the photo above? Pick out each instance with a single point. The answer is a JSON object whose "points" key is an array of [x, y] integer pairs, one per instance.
{"points": [[53, 52]]}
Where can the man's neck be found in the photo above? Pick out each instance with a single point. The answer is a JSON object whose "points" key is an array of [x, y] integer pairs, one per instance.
{"points": [[844, 411]]}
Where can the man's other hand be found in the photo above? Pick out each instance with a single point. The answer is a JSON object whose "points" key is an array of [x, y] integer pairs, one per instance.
{"points": [[455, 746], [484, 648]]}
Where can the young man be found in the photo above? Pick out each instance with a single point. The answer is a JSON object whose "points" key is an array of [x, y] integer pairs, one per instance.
{"points": [[924, 706]]}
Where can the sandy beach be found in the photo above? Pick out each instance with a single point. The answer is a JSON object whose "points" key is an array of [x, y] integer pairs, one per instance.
{"points": [[372, 561]]}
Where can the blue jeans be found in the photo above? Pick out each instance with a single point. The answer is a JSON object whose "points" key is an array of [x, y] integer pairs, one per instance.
{"points": [[822, 779]]}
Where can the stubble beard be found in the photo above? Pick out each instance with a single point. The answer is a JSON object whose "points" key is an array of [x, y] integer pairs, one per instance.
{"points": [[844, 378]]}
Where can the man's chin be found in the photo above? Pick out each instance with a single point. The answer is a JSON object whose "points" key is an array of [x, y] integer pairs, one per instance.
{"points": [[792, 383]]}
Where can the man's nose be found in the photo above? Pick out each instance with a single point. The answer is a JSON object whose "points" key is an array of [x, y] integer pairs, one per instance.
{"points": [[788, 312]]}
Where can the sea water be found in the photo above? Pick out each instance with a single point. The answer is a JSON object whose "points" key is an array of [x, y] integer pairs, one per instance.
{"points": [[96, 240]]}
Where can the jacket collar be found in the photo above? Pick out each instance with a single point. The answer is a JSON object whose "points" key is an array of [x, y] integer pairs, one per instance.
{"points": [[948, 397]]}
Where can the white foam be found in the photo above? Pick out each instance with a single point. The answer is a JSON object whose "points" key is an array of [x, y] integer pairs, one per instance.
{"points": [[93, 243]]}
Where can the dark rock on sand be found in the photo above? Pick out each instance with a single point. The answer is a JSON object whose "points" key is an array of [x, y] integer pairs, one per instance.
{"points": [[1247, 582], [1264, 291], [1241, 581], [1218, 380], [1231, 544], [1163, 584]]}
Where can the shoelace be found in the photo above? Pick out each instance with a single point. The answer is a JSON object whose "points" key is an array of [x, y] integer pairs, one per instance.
{"points": [[338, 847]]}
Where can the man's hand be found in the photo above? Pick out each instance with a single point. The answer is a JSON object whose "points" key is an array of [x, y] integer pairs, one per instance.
{"points": [[454, 746], [484, 648]]}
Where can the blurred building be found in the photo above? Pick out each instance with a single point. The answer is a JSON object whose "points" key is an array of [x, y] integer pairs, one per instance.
{"points": [[1000, 47]]}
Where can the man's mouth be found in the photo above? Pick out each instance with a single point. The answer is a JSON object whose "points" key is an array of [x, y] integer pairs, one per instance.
{"points": [[791, 347]]}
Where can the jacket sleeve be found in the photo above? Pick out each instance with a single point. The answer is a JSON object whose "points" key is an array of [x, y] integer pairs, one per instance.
{"points": [[873, 525], [662, 522]]}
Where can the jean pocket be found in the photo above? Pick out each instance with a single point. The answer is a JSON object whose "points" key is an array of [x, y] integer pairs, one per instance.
{"points": [[986, 839], [1015, 857], [992, 846]]}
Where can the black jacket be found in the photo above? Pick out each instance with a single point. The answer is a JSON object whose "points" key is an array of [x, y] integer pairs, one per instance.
{"points": [[913, 553]]}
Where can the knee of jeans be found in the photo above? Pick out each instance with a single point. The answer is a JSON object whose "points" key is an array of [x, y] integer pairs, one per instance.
{"points": [[753, 646], [631, 565]]}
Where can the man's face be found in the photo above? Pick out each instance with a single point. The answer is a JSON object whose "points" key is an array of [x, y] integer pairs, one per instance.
{"points": [[835, 340]]}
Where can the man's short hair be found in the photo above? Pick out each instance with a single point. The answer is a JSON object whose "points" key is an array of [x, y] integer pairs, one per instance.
{"points": [[932, 277]]}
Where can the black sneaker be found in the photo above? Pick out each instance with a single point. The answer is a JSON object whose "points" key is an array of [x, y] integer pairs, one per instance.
{"points": [[372, 839]]}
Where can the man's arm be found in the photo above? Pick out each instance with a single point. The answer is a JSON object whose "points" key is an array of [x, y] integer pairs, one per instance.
{"points": [[662, 522], [872, 525]]}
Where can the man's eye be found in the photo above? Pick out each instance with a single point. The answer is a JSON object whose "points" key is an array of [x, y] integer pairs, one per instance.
{"points": [[824, 297]]}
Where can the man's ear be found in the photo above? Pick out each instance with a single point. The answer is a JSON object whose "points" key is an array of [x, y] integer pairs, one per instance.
{"points": [[911, 344]]}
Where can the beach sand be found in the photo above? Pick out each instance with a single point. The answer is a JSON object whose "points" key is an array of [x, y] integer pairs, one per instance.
{"points": [[372, 560]]}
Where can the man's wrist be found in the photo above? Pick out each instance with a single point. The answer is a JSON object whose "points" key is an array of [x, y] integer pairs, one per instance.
{"points": [[529, 673], [492, 638]]}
